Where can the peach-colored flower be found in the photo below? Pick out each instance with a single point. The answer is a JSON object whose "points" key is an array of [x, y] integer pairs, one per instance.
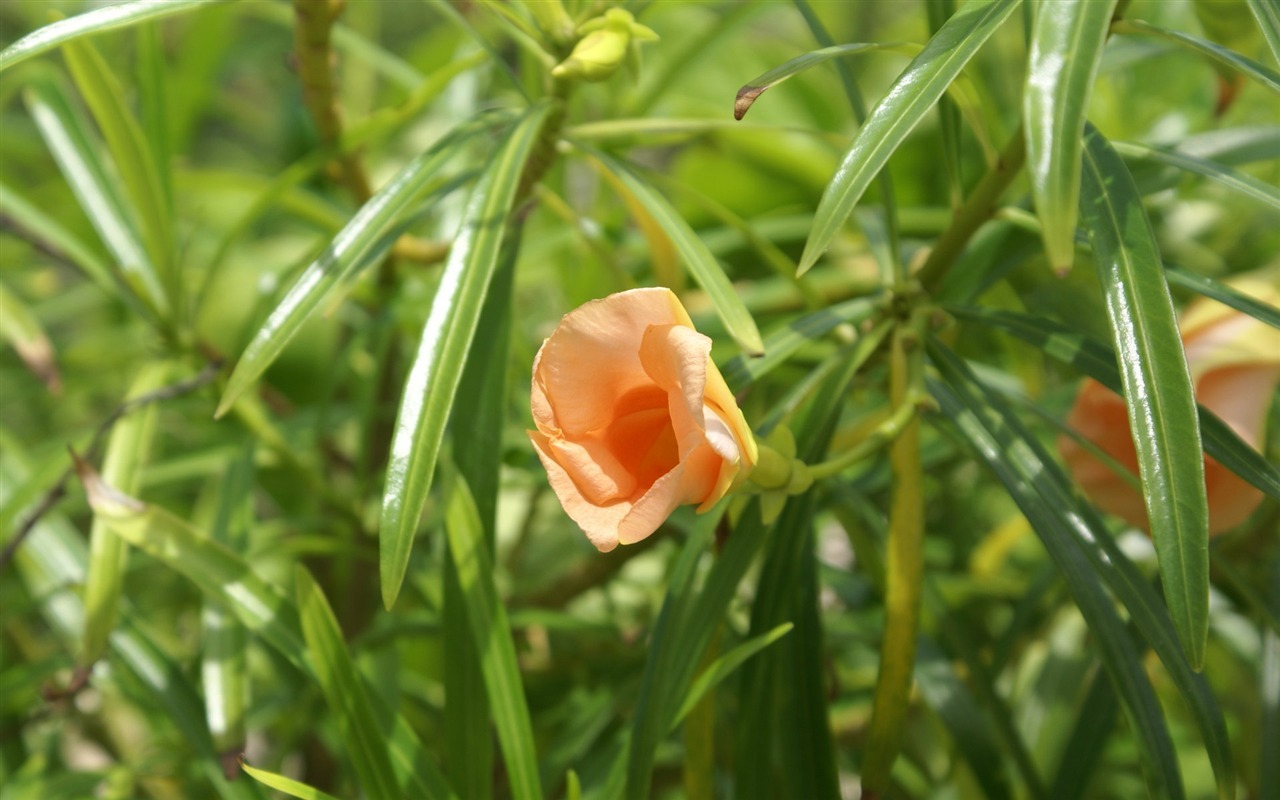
{"points": [[1235, 366], [633, 418]]}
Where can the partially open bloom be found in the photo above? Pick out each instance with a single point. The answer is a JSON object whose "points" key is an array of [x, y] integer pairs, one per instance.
{"points": [[633, 418], [1235, 366]]}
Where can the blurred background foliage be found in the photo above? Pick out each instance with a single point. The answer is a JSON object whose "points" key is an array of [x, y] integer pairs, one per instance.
{"points": [[164, 186]]}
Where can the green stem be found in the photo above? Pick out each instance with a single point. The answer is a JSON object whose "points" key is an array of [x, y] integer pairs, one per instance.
{"points": [[315, 72], [981, 206], [884, 434], [904, 568]]}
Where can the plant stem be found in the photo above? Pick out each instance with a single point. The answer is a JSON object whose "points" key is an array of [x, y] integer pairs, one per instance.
{"points": [[904, 566], [315, 72], [981, 206]]}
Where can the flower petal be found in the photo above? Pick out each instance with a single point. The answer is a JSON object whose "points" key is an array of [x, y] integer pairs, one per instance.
{"points": [[592, 358]]}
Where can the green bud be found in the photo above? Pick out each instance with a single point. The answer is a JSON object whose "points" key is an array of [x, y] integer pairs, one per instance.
{"points": [[604, 46]]}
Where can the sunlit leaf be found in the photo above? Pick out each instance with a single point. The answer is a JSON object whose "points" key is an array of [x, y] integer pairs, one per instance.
{"points": [[352, 250], [437, 367], [1066, 48], [1157, 387], [128, 450], [702, 265], [911, 96], [98, 20]]}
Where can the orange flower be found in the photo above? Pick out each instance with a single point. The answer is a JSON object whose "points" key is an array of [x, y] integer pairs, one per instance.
{"points": [[633, 418], [1235, 366]]}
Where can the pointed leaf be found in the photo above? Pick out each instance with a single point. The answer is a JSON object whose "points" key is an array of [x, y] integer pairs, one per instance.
{"points": [[129, 149], [1268, 15], [128, 450], [327, 652], [907, 101], [67, 137], [352, 250], [1016, 465], [1098, 361], [491, 633], [446, 339], [107, 18], [742, 371], [752, 90], [1244, 184], [725, 665], [699, 260], [1262, 75], [20, 328], [1157, 387], [1066, 48], [289, 786], [1055, 513]]}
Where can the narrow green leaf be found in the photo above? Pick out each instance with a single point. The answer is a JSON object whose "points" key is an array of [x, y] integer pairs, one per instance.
{"points": [[702, 264], [214, 569], [1267, 13], [480, 422], [223, 576], [98, 20], [1224, 294], [1244, 184], [50, 233], [1057, 512], [1093, 727], [128, 450], [153, 102], [911, 96], [66, 135], [1099, 362], [1015, 462], [752, 89], [20, 328], [289, 786], [945, 692], [223, 667], [1262, 75], [437, 367], [690, 617], [742, 371], [725, 665], [351, 251], [51, 563], [1066, 48], [1269, 695], [329, 658], [1157, 387], [492, 636], [134, 162]]}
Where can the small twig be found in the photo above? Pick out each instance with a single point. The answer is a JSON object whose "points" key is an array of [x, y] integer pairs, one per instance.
{"points": [[59, 488]]}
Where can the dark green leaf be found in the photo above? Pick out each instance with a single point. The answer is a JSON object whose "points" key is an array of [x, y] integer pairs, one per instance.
{"points": [[491, 634], [1157, 387], [362, 737], [1098, 362]]}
